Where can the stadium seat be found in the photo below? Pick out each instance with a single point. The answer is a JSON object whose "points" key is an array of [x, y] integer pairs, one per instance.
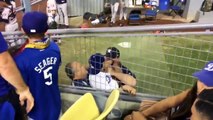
{"points": [[150, 14], [177, 9], [110, 103], [134, 17], [84, 108], [87, 105]]}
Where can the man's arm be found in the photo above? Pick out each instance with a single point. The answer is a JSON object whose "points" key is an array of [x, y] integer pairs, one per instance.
{"points": [[129, 89], [10, 73], [124, 78], [166, 104]]}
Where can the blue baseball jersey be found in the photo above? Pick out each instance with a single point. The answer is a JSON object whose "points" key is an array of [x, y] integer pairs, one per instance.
{"points": [[3, 44], [4, 86], [61, 1], [39, 68]]}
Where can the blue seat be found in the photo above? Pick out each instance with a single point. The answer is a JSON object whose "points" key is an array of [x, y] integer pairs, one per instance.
{"points": [[134, 17], [151, 13], [177, 8]]}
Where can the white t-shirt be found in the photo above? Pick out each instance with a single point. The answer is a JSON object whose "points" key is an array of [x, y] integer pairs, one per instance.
{"points": [[103, 81]]}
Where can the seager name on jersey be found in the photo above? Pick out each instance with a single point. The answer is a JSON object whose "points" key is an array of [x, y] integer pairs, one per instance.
{"points": [[44, 63]]}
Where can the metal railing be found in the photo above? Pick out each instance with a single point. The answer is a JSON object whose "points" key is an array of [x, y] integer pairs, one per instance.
{"points": [[163, 62]]}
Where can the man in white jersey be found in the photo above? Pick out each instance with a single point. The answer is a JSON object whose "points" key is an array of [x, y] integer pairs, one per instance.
{"points": [[101, 75], [97, 77]]}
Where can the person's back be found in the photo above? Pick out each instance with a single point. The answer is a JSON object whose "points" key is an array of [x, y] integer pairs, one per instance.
{"points": [[40, 71]]}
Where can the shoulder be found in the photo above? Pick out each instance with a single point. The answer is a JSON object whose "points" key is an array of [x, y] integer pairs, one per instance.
{"points": [[125, 70], [22, 57], [54, 45]]}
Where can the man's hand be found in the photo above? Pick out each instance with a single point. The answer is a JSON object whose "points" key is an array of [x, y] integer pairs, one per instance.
{"points": [[138, 116], [117, 67], [106, 65], [129, 89], [135, 116], [25, 95]]}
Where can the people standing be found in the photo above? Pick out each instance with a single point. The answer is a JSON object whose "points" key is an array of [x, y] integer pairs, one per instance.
{"points": [[10, 74], [114, 9], [63, 15], [123, 12]]}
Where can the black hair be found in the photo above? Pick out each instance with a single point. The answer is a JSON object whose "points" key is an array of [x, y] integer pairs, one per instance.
{"points": [[204, 104], [69, 71], [205, 109], [36, 35], [184, 110], [112, 52]]}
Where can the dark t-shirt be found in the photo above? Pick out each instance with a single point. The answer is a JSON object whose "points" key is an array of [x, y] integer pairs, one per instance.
{"points": [[81, 82]]}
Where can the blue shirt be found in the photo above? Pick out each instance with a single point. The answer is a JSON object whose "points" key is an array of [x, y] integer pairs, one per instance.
{"points": [[4, 86], [3, 44], [61, 1], [82, 82], [39, 69]]}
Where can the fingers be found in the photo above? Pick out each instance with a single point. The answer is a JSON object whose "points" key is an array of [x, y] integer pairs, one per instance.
{"points": [[138, 116], [128, 117], [129, 89], [29, 105], [25, 96], [132, 91]]}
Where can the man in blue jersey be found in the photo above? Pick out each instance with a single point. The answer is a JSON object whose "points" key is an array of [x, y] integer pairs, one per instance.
{"points": [[62, 11], [11, 76], [39, 63]]}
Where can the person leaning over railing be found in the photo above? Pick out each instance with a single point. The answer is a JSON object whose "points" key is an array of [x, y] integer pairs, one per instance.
{"points": [[9, 101], [182, 101], [101, 78], [203, 106], [113, 54]]}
